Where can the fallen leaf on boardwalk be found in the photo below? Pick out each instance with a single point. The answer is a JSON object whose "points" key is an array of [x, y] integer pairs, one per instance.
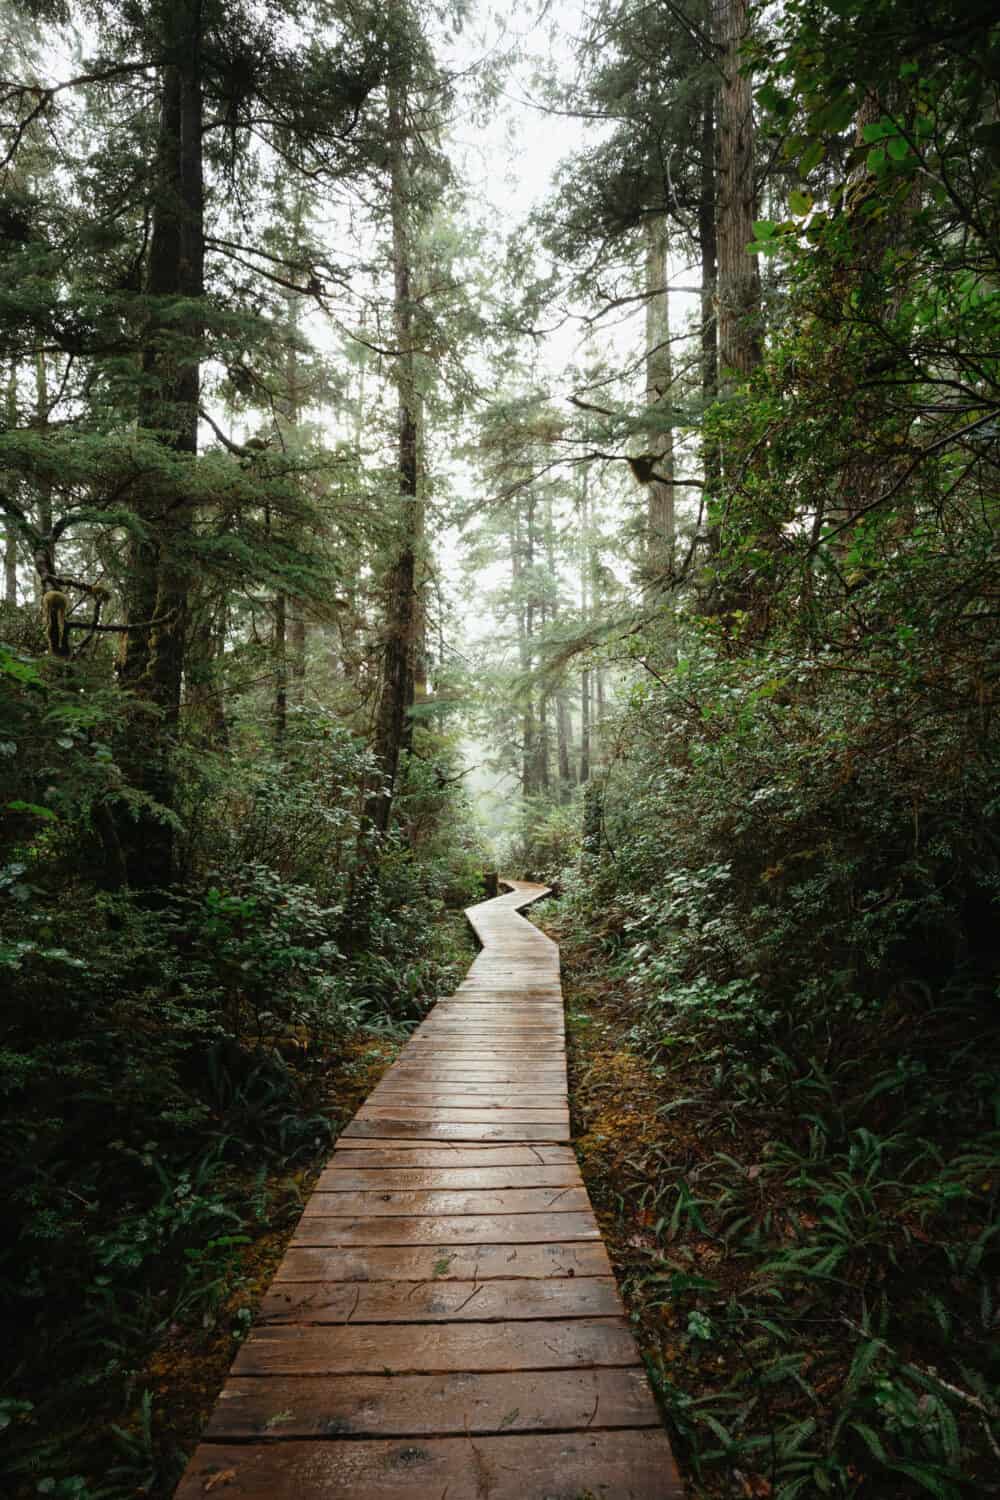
{"points": [[224, 1476], [754, 1172]]}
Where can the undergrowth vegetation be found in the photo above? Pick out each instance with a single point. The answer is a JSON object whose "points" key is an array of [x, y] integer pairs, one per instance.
{"points": [[786, 959], [172, 1069]]}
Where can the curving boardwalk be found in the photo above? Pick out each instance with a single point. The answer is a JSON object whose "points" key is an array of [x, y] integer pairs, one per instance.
{"points": [[445, 1325]]}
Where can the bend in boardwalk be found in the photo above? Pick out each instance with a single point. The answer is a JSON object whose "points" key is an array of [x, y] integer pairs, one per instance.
{"points": [[445, 1323]]}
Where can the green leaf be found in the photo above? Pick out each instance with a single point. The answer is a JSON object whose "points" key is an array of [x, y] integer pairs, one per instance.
{"points": [[800, 202], [874, 132], [834, 116], [872, 1439], [32, 807], [16, 667], [812, 157], [899, 149], [765, 229], [877, 162], [769, 98], [927, 1478]]}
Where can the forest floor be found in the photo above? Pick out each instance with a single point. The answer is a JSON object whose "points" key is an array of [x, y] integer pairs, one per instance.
{"points": [[126, 1404], [769, 1384], [187, 1371]]}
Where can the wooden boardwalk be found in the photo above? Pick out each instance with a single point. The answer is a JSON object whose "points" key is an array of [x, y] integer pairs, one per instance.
{"points": [[445, 1325]]}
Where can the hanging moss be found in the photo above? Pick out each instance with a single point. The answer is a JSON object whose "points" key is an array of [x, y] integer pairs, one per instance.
{"points": [[55, 606]]}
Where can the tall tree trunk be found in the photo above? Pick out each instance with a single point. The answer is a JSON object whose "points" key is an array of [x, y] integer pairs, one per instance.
{"points": [[599, 711], [298, 634], [284, 615], [740, 342], [523, 615], [43, 499], [659, 395], [10, 563], [543, 739], [10, 530], [394, 725], [156, 585], [708, 244], [563, 733], [279, 651], [585, 616], [564, 766]]}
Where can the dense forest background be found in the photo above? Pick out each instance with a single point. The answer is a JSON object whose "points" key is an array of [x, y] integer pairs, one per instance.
{"points": [[429, 442]]}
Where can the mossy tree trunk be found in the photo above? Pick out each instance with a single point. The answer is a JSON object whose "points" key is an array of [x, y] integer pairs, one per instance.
{"points": [[393, 724], [156, 582]]}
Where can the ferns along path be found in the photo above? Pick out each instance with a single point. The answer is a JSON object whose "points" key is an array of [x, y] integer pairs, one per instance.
{"points": [[445, 1321]]}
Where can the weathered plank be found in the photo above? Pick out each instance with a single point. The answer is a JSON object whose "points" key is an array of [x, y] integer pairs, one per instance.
{"points": [[374, 1203], [431, 1405], [418, 1348], [443, 1262], [447, 1229], [440, 1301], [503, 1114], [468, 1096], [336, 1179], [440, 1130], [629, 1464], [422, 1154]]}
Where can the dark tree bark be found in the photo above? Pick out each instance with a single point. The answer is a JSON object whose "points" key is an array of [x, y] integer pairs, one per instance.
{"points": [[394, 724], [740, 342], [10, 564], [709, 278], [156, 583], [280, 654], [298, 637], [520, 554], [659, 380], [585, 615]]}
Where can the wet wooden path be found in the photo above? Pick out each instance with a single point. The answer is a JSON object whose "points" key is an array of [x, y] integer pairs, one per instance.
{"points": [[445, 1325]]}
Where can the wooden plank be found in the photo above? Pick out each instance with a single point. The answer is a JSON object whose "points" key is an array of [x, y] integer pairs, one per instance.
{"points": [[464, 1095], [511, 1001], [452, 1229], [431, 1405], [373, 1203], [455, 1055], [509, 1115], [474, 1019], [421, 1348], [530, 1068], [464, 1112], [414, 1179], [438, 1130], [492, 1030], [358, 1302], [524, 1073], [453, 1058], [375, 1154], [627, 1464], [459, 1044], [444, 1262]]}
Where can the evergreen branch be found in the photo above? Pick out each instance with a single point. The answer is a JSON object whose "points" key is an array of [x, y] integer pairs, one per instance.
{"points": [[15, 93]]}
